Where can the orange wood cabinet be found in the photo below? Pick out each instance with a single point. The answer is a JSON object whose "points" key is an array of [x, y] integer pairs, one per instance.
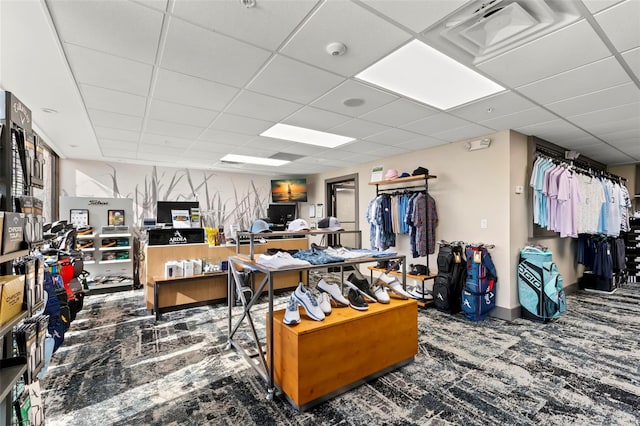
{"points": [[315, 360]]}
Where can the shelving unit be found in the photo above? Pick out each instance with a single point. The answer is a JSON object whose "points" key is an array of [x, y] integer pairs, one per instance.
{"points": [[422, 278], [264, 363], [632, 246], [418, 183], [10, 376]]}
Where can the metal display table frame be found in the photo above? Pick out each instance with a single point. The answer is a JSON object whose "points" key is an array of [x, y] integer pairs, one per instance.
{"points": [[236, 285]]}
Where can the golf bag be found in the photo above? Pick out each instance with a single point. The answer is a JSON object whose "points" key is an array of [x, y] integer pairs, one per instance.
{"points": [[479, 293], [540, 286], [447, 285]]}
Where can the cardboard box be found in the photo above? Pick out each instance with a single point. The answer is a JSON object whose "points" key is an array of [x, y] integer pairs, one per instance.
{"points": [[13, 232], [11, 297]]}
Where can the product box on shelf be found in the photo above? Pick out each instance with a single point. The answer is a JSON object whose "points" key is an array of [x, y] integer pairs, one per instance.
{"points": [[13, 232], [11, 297]]}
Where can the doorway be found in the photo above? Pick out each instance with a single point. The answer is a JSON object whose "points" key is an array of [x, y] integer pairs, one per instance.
{"points": [[342, 203]]}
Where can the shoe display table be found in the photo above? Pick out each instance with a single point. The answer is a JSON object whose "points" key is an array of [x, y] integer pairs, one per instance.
{"points": [[316, 360]]}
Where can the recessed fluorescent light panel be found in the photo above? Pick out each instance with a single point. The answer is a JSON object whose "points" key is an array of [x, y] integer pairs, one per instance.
{"points": [[253, 160], [308, 136], [420, 72]]}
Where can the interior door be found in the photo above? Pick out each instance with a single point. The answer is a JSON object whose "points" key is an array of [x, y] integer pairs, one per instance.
{"points": [[342, 202]]}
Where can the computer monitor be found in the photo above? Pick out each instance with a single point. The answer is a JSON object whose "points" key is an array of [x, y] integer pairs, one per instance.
{"points": [[281, 213], [163, 213]]}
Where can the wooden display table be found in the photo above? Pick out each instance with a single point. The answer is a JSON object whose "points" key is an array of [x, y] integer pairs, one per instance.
{"points": [[316, 360], [191, 291]]}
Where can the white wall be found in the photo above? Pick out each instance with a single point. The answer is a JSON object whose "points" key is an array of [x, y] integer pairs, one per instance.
{"points": [[471, 186], [225, 198]]}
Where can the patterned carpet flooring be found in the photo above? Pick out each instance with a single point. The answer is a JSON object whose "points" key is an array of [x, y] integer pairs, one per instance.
{"points": [[119, 367]]}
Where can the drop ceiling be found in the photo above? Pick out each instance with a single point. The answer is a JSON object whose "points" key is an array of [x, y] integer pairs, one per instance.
{"points": [[182, 83]]}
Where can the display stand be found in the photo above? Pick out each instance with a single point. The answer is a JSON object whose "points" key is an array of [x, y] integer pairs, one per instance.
{"points": [[419, 183], [422, 278], [264, 365], [632, 246]]}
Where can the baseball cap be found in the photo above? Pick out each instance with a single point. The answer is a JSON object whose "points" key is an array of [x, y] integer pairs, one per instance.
{"points": [[298, 225], [331, 223], [259, 226], [404, 174], [420, 171], [391, 174]]}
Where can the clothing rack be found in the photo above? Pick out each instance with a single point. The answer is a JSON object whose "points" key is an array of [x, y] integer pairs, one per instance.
{"points": [[582, 167], [413, 187]]}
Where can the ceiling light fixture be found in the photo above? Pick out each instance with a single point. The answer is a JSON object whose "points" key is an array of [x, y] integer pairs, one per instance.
{"points": [[420, 72], [253, 160], [353, 102], [303, 135], [477, 144]]}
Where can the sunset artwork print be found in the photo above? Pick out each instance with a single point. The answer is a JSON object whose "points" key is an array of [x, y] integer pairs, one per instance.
{"points": [[289, 190]]}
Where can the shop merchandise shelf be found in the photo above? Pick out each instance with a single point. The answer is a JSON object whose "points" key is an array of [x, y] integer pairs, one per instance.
{"points": [[207, 279], [264, 363], [6, 328], [11, 256], [8, 378], [104, 262], [86, 237], [114, 248], [125, 235]]}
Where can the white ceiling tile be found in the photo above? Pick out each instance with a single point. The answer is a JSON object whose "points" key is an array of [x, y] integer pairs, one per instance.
{"points": [[399, 112], [393, 137], [202, 53], [423, 142], [416, 15], [435, 123], [373, 98], [361, 146], [109, 152], [166, 141], [589, 78], [350, 24], [266, 25], [606, 154], [632, 58], [389, 151], [115, 120], [155, 4], [595, 6], [184, 89], [129, 30], [237, 124], [214, 135], [315, 118], [159, 127], [363, 158], [175, 113], [603, 99], [464, 132], [555, 131], [628, 133], [117, 134], [114, 101], [329, 154], [204, 156], [520, 119], [495, 106], [256, 105], [605, 116], [112, 145], [252, 151], [604, 127], [579, 144], [621, 23], [293, 80], [565, 49], [358, 128], [212, 147], [108, 71]]}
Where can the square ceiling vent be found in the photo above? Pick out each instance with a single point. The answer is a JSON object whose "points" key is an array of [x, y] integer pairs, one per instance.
{"points": [[484, 29]]}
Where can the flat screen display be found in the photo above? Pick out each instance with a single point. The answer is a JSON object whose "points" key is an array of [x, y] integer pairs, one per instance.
{"points": [[281, 213], [164, 209], [289, 190]]}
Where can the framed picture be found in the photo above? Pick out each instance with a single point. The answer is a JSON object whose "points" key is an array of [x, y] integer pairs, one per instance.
{"points": [[79, 217], [116, 217]]}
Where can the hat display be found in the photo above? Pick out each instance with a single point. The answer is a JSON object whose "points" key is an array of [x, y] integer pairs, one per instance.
{"points": [[330, 223], [420, 171], [259, 226], [390, 174], [298, 225]]}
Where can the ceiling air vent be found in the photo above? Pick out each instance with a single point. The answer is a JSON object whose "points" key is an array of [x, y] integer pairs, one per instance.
{"points": [[484, 29]]}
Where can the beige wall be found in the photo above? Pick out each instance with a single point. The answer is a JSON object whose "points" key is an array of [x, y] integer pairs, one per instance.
{"points": [[471, 186]]}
